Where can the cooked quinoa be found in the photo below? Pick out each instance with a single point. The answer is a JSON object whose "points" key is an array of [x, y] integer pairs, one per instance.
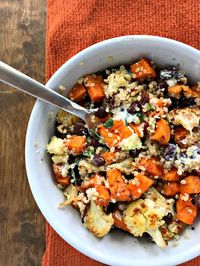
{"points": [[140, 171]]}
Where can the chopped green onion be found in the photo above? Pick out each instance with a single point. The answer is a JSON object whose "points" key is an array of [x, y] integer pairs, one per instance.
{"points": [[126, 123], [74, 178], [150, 107], [109, 123], [88, 152], [73, 174], [95, 134], [140, 115]]}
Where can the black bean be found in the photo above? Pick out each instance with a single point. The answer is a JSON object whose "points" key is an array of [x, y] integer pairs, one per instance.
{"points": [[168, 218], [101, 112], [129, 177], [133, 153], [146, 125], [60, 135], [86, 102], [169, 151], [79, 129], [147, 237], [132, 108], [174, 104], [71, 159], [98, 160], [97, 104], [111, 207], [101, 173], [144, 98], [94, 143], [195, 130], [186, 102], [182, 155], [162, 85]]}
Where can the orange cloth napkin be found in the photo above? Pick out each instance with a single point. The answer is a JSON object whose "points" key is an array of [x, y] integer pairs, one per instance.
{"points": [[73, 25]]}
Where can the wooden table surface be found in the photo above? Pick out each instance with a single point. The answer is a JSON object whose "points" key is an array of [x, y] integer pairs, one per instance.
{"points": [[22, 45]]}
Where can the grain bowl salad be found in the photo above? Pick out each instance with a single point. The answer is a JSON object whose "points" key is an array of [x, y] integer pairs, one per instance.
{"points": [[140, 172]]}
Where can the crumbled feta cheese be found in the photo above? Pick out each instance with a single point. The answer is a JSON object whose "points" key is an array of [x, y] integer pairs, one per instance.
{"points": [[92, 193], [59, 158], [185, 197], [130, 143], [187, 117], [171, 82]]}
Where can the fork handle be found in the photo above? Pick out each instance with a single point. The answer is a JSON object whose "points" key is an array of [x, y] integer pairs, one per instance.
{"points": [[28, 85]]}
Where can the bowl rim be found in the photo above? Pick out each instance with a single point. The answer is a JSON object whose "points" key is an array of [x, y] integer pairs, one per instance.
{"points": [[172, 260]]}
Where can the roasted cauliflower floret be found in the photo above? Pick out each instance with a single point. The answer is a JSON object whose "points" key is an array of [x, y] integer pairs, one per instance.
{"points": [[134, 217], [160, 204], [192, 137], [60, 156], [166, 233], [187, 117], [175, 228], [71, 192], [55, 146], [146, 215], [97, 221], [124, 166], [191, 161]]}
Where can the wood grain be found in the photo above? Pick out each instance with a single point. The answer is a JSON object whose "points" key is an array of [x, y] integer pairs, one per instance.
{"points": [[22, 45]]}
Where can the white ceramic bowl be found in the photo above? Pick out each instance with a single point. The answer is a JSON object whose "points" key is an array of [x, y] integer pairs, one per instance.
{"points": [[117, 248]]}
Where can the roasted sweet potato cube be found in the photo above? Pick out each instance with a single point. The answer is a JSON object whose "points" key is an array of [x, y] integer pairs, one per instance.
{"points": [[185, 211], [76, 144], [190, 185], [152, 166], [139, 185], [170, 189], [95, 88], [143, 70], [162, 132], [77, 93]]}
